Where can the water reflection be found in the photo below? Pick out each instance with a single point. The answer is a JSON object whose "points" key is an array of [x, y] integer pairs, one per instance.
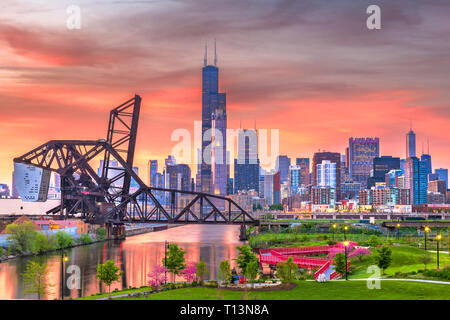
{"points": [[136, 256]]}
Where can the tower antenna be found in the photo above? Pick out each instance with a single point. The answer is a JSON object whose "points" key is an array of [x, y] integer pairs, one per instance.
{"points": [[215, 53], [206, 54]]}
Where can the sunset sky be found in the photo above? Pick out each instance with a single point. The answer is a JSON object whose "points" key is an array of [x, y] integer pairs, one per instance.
{"points": [[309, 68]]}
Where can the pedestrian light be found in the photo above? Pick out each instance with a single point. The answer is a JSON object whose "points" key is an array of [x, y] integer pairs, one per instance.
{"points": [[438, 238], [346, 243], [426, 229], [65, 259]]}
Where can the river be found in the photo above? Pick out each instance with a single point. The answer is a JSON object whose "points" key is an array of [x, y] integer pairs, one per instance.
{"points": [[136, 256]]}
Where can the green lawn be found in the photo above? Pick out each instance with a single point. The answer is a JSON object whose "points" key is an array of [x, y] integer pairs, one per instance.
{"points": [[311, 290], [404, 259]]}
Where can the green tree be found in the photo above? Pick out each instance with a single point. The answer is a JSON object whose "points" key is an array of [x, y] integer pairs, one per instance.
{"points": [[174, 261], [34, 279], [245, 257], [287, 271], [276, 207], [85, 238], [63, 240], [373, 241], [21, 236], [100, 234], [108, 273], [251, 271], [425, 259], [224, 271], [202, 270], [383, 257], [339, 263], [42, 243]]}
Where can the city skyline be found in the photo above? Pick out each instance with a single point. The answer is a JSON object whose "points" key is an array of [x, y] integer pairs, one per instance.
{"points": [[273, 79]]}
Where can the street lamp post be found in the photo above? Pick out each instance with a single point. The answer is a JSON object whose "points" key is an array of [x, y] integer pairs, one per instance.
{"points": [[426, 230], [346, 267], [64, 259], [438, 238], [398, 229], [345, 235], [334, 229]]}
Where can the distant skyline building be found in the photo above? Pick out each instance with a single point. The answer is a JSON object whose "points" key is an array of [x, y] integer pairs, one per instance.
{"points": [[304, 170], [362, 151], [152, 171], [272, 187], [410, 144], [326, 174], [283, 163], [213, 167], [381, 166], [416, 180], [246, 166], [334, 157], [442, 174]]}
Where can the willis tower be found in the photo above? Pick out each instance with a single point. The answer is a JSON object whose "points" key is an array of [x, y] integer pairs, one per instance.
{"points": [[213, 168]]}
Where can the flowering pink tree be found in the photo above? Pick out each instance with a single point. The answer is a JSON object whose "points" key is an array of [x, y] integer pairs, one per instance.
{"points": [[360, 252], [189, 273], [157, 277]]}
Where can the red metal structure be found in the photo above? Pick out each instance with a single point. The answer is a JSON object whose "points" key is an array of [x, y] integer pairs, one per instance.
{"points": [[324, 265]]}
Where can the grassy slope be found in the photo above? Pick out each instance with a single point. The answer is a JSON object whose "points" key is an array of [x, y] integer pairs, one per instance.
{"points": [[404, 259], [310, 290]]}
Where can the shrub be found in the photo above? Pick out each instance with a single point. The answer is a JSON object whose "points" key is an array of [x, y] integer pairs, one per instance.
{"points": [[85, 238], [21, 236], [100, 234], [63, 240], [42, 243]]}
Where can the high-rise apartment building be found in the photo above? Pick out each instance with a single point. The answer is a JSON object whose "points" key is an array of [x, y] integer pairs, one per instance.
{"points": [[333, 157], [326, 174]]}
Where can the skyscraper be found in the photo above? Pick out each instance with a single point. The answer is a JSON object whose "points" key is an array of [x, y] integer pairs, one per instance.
{"points": [[326, 174], [410, 144], [152, 170], [442, 174], [214, 124], [333, 157], [304, 170], [416, 180], [381, 166], [283, 164], [362, 151], [272, 187], [246, 166]]}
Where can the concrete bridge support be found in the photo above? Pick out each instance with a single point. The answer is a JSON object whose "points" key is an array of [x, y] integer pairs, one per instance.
{"points": [[115, 232]]}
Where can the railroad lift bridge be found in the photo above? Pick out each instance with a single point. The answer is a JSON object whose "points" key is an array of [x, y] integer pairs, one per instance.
{"points": [[104, 197]]}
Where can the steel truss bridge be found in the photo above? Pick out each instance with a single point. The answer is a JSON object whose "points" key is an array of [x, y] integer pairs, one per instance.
{"points": [[105, 197]]}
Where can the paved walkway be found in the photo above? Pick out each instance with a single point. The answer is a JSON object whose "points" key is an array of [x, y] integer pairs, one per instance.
{"points": [[394, 279]]}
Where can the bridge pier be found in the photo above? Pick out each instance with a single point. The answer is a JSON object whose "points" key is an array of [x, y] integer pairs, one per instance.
{"points": [[334, 217], [115, 232], [243, 233]]}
